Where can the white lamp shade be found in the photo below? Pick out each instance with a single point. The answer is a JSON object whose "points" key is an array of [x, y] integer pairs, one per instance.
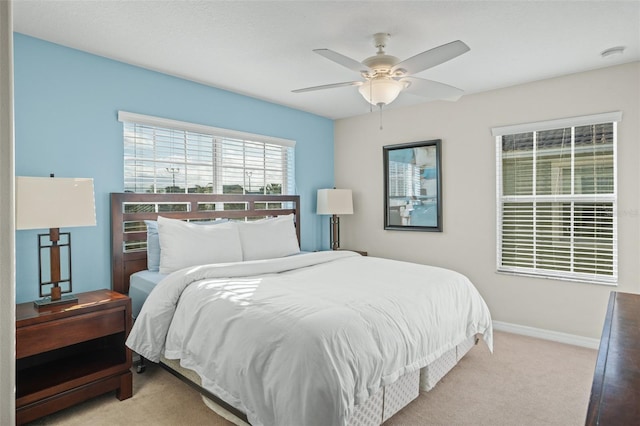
{"points": [[335, 201], [381, 91], [44, 202]]}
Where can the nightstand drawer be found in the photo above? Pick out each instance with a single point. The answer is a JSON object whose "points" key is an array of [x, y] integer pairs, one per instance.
{"points": [[68, 331]]}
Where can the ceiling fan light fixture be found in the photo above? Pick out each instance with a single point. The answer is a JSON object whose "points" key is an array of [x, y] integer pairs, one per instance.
{"points": [[385, 76], [381, 91]]}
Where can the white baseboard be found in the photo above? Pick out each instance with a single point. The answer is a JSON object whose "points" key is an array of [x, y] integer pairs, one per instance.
{"points": [[540, 333]]}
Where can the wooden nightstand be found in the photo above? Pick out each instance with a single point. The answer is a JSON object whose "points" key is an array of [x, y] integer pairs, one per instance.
{"points": [[67, 354]]}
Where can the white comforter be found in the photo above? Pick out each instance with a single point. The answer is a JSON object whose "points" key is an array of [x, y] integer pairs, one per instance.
{"points": [[300, 340]]}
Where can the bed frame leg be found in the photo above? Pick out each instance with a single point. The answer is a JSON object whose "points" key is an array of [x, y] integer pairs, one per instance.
{"points": [[141, 366]]}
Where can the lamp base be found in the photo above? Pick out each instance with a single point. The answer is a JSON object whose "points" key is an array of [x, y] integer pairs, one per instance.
{"points": [[46, 301], [334, 232]]}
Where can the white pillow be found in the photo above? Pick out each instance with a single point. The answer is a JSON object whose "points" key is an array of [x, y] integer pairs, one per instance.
{"points": [[268, 238], [184, 244]]}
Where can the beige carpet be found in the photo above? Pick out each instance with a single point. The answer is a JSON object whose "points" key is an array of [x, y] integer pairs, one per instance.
{"points": [[526, 381]]}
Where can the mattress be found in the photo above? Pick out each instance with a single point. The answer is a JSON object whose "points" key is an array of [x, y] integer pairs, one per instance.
{"points": [[140, 285]]}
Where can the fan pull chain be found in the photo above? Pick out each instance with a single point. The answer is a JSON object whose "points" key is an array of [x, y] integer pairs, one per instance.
{"points": [[380, 104]]}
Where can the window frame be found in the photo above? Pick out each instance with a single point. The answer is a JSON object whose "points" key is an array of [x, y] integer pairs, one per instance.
{"points": [[246, 141], [572, 199]]}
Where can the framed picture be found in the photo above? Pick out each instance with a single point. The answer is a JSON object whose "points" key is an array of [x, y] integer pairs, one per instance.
{"points": [[413, 186]]}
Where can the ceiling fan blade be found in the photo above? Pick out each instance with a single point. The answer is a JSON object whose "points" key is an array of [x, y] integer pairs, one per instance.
{"points": [[432, 90], [328, 86], [345, 61], [431, 58]]}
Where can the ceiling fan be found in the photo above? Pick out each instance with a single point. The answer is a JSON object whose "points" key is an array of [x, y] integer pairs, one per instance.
{"points": [[385, 76]]}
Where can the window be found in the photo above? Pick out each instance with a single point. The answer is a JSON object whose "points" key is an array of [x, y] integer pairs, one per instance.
{"points": [[163, 155], [556, 195]]}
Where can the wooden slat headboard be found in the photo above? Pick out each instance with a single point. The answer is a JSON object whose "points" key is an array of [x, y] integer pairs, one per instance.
{"points": [[129, 234]]}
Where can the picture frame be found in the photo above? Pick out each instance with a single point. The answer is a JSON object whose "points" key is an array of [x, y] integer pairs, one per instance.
{"points": [[413, 186]]}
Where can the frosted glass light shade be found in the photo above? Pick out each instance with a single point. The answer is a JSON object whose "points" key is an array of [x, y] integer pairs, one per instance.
{"points": [[335, 201], [381, 91], [45, 202]]}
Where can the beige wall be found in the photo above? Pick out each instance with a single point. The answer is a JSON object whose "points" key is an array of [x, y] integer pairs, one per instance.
{"points": [[468, 241]]}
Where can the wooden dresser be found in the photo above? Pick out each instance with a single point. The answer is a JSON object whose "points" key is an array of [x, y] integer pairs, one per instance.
{"points": [[615, 393]]}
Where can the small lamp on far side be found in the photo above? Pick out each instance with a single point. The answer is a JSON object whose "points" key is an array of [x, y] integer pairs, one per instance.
{"points": [[335, 202], [53, 203]]}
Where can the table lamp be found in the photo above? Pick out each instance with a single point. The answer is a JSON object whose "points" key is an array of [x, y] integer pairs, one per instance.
{"points": [[53, 203], [335, 202]]}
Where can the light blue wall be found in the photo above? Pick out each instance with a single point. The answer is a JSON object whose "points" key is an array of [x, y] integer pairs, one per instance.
{"points": [[66, 104]]}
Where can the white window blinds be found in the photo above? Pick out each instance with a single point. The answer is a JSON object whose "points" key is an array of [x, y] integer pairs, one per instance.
{"points": [[557, 199], [172, 156]]}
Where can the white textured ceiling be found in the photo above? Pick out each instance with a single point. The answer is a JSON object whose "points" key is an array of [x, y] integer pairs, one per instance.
{"points": [[264, 48]]}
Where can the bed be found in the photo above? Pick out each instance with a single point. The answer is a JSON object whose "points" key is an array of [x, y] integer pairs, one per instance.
{"points": [[305, 338]]}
